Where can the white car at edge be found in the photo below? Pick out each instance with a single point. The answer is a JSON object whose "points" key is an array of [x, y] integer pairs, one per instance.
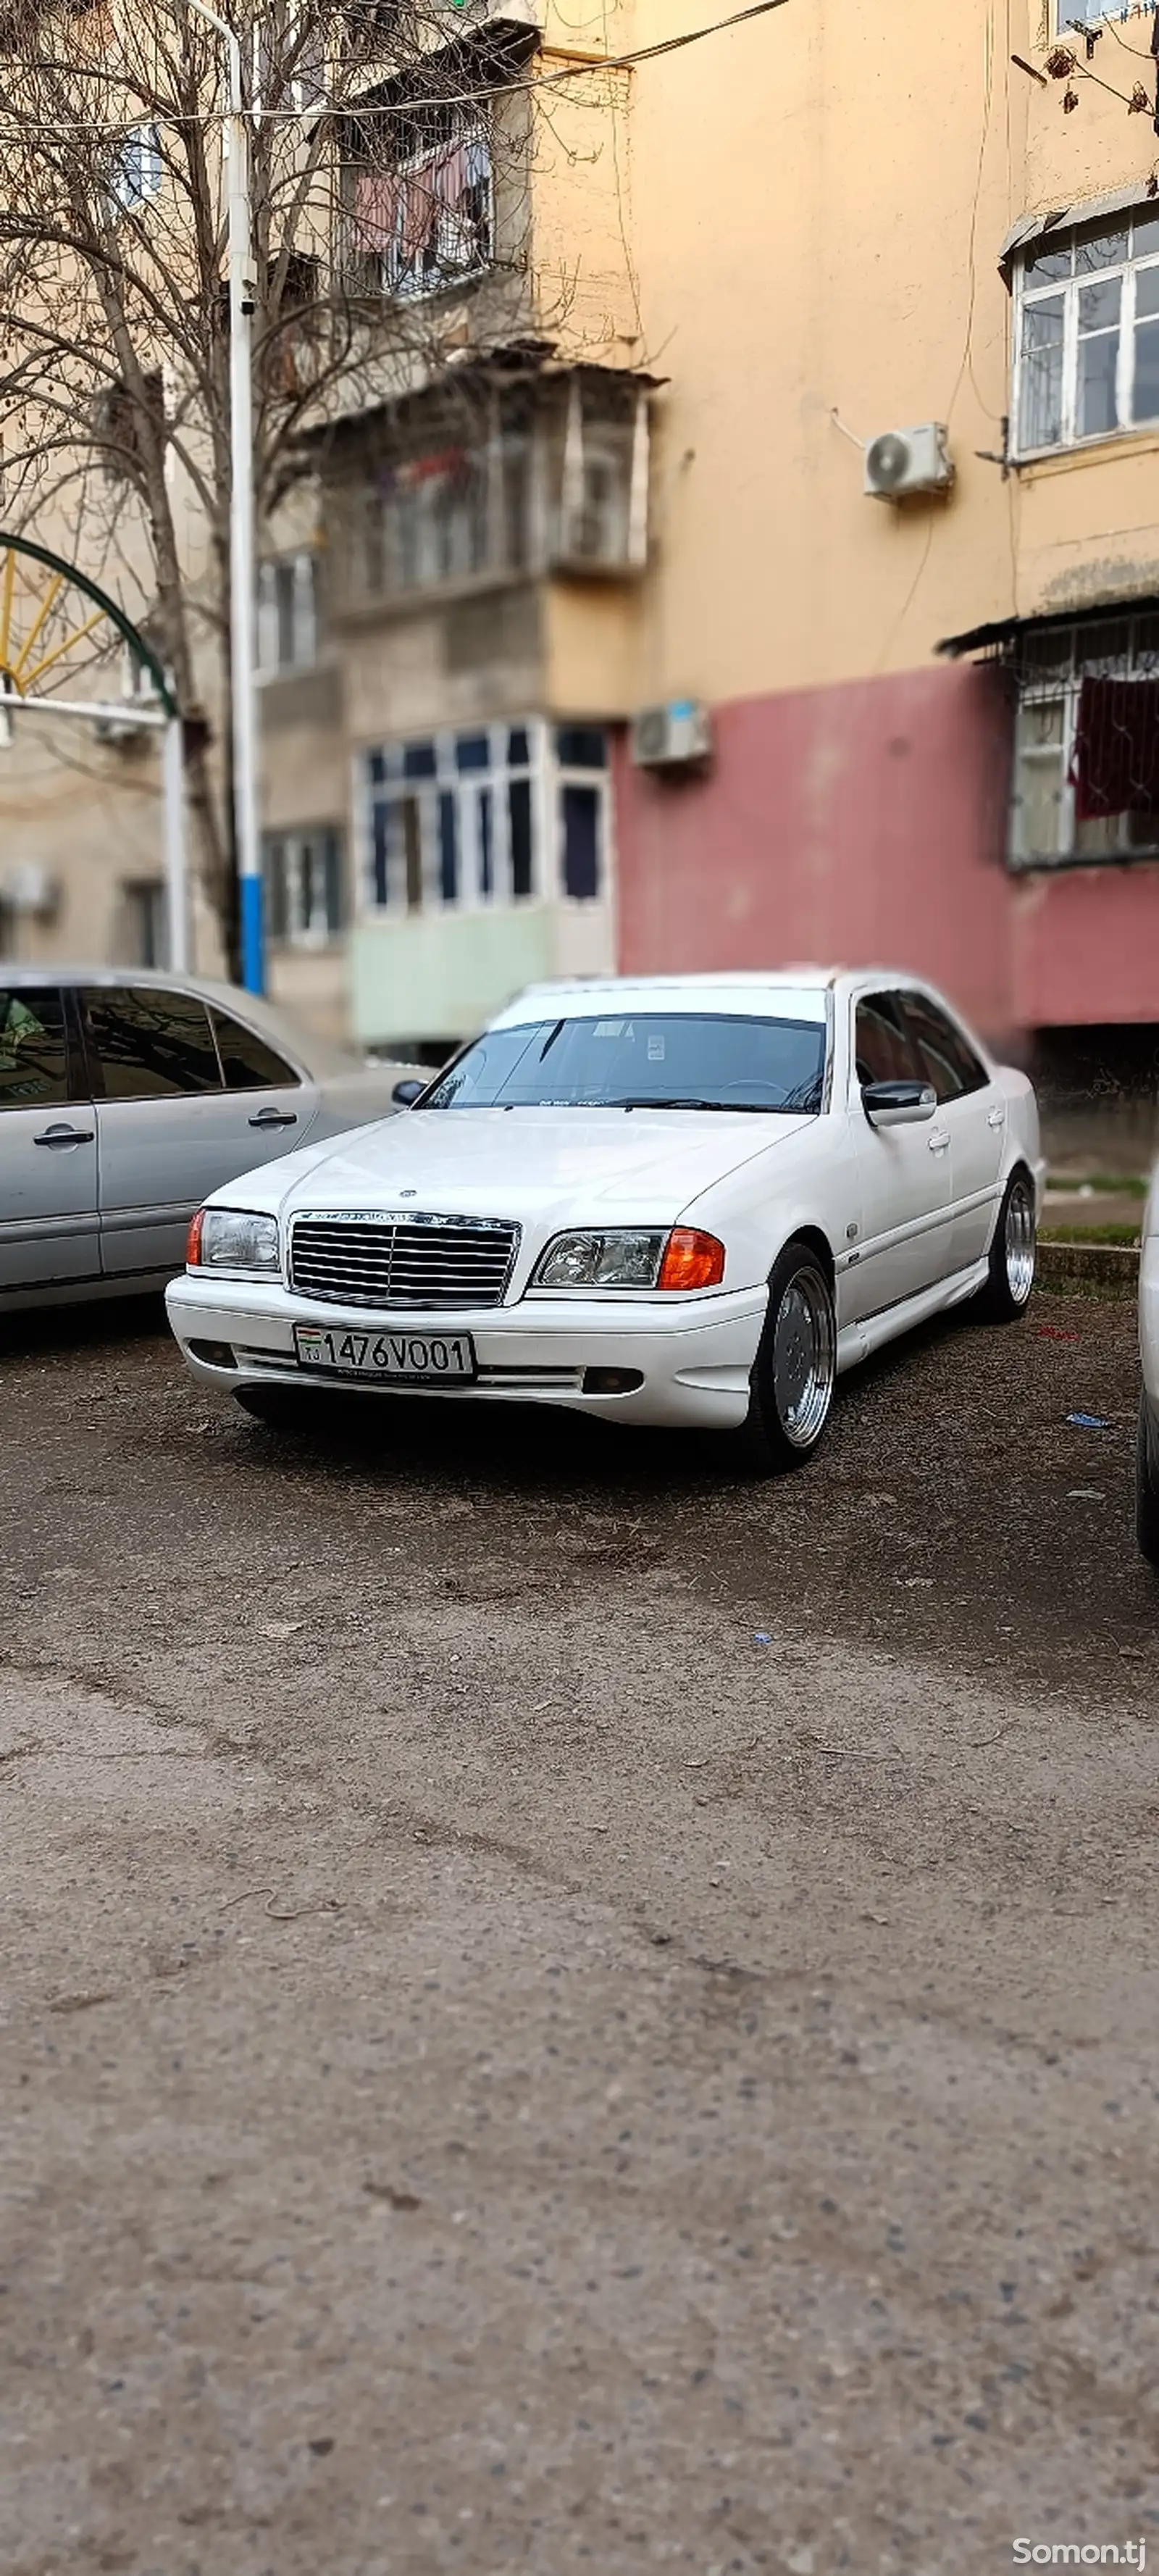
{"points": [[688, 1201], [1147, 1486]]}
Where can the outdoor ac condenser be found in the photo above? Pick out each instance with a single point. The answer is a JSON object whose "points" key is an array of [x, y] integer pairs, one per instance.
{"points": [[904, 461], [676, 736], [27, 887]]}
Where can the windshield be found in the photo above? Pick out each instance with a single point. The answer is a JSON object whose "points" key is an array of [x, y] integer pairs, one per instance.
{"points": [[653, 1060]]}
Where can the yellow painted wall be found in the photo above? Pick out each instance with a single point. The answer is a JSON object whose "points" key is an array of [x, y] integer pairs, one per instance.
{"points": [[817, 203]]}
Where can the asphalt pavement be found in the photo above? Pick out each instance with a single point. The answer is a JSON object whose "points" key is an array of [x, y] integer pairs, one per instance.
{"points": [[565, 2010]]}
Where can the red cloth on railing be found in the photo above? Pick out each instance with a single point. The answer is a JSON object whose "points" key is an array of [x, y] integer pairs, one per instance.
{"points": [[1115, 763]]}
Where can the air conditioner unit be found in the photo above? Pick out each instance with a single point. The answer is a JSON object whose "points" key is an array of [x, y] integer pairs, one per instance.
{"points": [[120, 731], [27, 887], [672, 737], [904, 461]]}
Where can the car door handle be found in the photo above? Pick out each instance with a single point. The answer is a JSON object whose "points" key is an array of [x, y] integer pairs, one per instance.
{"points": [[997, 1118], [939, 1141], [275, 1118], [57, 1136]]}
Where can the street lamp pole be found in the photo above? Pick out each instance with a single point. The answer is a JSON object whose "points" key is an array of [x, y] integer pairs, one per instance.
{"points": [[241, 512]]}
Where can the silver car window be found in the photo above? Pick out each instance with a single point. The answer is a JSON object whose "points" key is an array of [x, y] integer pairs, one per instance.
{"points": [[248, 1062], [151, 1044], [33, 1048]]}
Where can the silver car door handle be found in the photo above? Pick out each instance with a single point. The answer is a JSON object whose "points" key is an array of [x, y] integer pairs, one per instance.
{"points": [[275, 1118], [58, 1136], [997, 1118], [939, 1141]]}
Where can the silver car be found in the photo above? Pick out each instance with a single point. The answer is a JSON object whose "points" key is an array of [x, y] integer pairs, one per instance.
{"points": [[125, 1099]]}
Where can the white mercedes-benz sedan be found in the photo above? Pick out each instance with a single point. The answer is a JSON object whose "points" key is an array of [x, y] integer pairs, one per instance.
{"points": [[1147, 1486], [687, 1200]]}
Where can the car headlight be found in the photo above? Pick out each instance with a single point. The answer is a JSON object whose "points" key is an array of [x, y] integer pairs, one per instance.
{"points": [[632, 1257], [233, 1239]]}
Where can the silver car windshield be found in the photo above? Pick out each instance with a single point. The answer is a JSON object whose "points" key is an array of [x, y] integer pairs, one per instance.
{"points": [[642, 1060]]}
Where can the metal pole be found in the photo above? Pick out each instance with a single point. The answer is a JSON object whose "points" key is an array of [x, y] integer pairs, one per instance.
{"points": [[241, 513], [176, 874]]}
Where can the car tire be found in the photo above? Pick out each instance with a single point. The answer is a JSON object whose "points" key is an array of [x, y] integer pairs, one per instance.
{"points": [[795, 1369], [279, 1408], [1013, 1253], [1147, 1483]]}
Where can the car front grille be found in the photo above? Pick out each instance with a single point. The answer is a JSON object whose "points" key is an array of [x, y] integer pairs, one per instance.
{"points": [[413, 1261]]}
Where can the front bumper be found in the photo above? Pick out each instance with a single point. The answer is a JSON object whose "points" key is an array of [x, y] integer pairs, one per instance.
{"points": [[694, 1354], [1149, 1317]]}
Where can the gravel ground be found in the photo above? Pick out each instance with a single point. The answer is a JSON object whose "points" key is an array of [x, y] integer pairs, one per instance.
{"points": [[564, 2011]]}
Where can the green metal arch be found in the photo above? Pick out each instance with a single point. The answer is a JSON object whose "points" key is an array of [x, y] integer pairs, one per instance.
{"points": [[130, 634]]}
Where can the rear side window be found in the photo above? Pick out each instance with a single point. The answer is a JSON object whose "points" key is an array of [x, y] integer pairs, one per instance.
{"points": [[33, 1048], [946, 1057], [150, 1044], [883, 1046], [246, 1061]]}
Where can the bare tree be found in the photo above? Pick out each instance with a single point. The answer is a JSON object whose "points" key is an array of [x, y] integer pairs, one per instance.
{"points": [[388, 168]]}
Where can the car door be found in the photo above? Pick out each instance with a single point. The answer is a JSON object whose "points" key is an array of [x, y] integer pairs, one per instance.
{"points": [[973, 1109], [906, 1220], [187, 1097], [48, 1147]]}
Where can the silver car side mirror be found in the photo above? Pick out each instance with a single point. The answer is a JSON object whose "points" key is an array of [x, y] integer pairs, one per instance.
{"points": [[898, 1104]]}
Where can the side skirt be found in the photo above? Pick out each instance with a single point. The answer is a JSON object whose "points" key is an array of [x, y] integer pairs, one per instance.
{"points": [[858, 1341]]}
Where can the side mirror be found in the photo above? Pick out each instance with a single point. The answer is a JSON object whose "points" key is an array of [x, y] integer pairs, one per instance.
{"points": [[898, 1104], [405, 1094]]}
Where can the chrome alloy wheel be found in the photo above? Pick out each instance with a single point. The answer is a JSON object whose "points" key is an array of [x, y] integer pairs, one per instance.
{"points": [[1020, 1242], [804, 1357]]}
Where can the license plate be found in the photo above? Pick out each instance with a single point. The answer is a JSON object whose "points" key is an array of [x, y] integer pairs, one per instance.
{"points": [[411, 1359]]}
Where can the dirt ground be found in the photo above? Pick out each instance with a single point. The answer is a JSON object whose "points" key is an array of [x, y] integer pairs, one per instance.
{"points": [[565, 2011]]}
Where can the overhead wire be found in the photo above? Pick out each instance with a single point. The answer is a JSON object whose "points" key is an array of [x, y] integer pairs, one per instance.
{"points": [[472, 97]]}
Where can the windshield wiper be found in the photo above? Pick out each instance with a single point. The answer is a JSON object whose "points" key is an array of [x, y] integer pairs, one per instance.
{"points": [[726, 1108]]}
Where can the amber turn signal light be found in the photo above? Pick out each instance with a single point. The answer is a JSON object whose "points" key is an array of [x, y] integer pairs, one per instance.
{"points": [[193, 1241], [691, 1260]]}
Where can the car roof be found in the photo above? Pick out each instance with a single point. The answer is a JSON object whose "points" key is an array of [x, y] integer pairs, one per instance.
{"points": [[315, 1055], [586, 997]]}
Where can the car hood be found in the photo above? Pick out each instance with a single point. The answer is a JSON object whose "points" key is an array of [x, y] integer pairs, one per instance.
{"points": [[524, 1164]]}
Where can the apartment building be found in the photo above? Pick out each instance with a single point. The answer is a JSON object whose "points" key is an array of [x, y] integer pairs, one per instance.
{"points": [[756, 556], [933, 703]]}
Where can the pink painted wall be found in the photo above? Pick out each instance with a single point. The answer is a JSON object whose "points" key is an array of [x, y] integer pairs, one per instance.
{"points": [[1085, 947], [866, 824]]}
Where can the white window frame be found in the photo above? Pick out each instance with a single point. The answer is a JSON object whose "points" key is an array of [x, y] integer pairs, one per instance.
{"points": [[1026, 295], [144, 140], [1062, 687], [302, 566], [547, 778], [316, 931]]}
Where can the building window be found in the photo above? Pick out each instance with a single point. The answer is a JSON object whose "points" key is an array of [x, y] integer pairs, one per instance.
{"points": [[147, 923], [423, 220], [1088, 13], [1086, 770], [137, 170], [288, 613], [304, 887], [125, 423], [526, 480], [1087, 324], [498, 815]]}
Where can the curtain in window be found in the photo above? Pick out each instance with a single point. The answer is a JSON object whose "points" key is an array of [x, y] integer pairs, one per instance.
{"points": [[375, 209], [1115, 763]]}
